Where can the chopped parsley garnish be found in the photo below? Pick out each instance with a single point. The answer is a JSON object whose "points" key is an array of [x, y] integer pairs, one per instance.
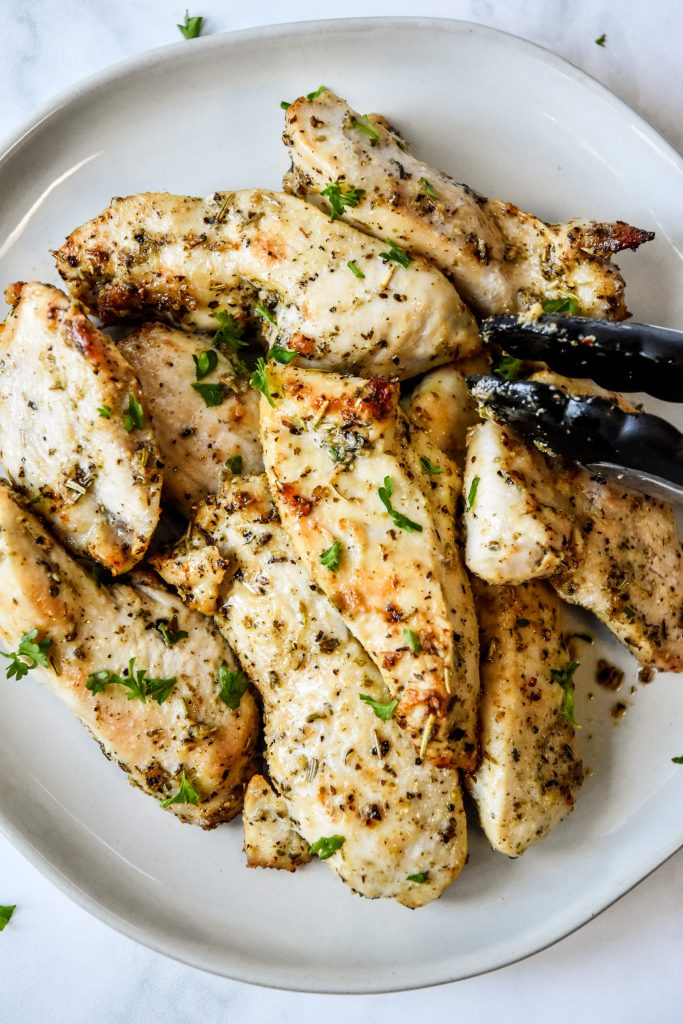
{"points": [[187, 794], [205, 363], [403, 522], [428, 189], [104, 411], [521, 623], [284, 105], [396, 253], [429, 467], [229, 333], [316, 92], [629, 612], [259, 381], [508, 367], [413, 640], [338, 197], [171, 636], [566, 304], [234, 464], [472, 494], [355, 269], [6, 916], [677, 760], [140, 687], [419, 876], [233, 686], [601, 40], [133, 416], [330, 556], [191, 27], [281, 354], [213, 394], [326, 846], [385, 711], [565, 677], [264, 312], [34, 654], [363, 125]]}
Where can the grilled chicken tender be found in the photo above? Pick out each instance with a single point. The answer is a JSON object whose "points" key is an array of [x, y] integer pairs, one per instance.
{"points": [[531, 769], [196, 439], [499, 257], [270, 839], [92, 629], [158, 254], [612, 551], [65, 403], [343, 771], [334, 447]]}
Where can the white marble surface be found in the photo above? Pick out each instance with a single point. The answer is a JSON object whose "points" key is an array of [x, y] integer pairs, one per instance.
{"points": [[59, 965]]}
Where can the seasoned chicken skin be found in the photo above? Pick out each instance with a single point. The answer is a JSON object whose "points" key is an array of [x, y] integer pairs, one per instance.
{"points": [[195, 439], [65, 404], [94, 629], [338, 452], [499, 257], [530, 769], [343, 771], [158, 254], [270, 840], [612, 551]]}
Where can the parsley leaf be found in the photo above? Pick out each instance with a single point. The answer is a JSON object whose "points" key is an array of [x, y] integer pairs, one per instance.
{"points": [[565, 677], [413, 640], [233, 686], [205, 363], [472, 495], [364, 126], [229, 333], [355, 269], [140, 687], [234, 464], [566, 304], [104, 411], [400, 520], [264, 312], [281, 354], [429, 467], [284, 105], [326, 846], [601, 40], [187, 794], [133, 416], [338, 197], [420, 876], [34, 654], [507, 367], [330, 556], [383, 711], [213, 394], [6, 915], [316, 92], [396, 253], [629, 612], [259, 381], [428, 189], [192, 27], [677, 760], [170, 636]]}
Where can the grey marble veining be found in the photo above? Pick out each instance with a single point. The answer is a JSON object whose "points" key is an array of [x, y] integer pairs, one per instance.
{"points": [[59, 965]]}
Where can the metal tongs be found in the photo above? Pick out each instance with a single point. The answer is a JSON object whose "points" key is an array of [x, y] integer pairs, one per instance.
{"points": [[639, 448]]}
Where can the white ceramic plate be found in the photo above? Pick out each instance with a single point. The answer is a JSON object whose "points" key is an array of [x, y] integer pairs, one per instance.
{"points": [[511, 120]]}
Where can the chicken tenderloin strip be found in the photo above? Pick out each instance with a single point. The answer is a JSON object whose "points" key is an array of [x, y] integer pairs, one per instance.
{"points": [[389, 824], [152, 701], [76, 439], [499, 257], [206, 420], [336, 297], [613, 551], [270, 840], [369, 505]]}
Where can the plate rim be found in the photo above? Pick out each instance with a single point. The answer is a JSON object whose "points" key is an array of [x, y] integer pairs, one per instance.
{"points": [[156, 57]]}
